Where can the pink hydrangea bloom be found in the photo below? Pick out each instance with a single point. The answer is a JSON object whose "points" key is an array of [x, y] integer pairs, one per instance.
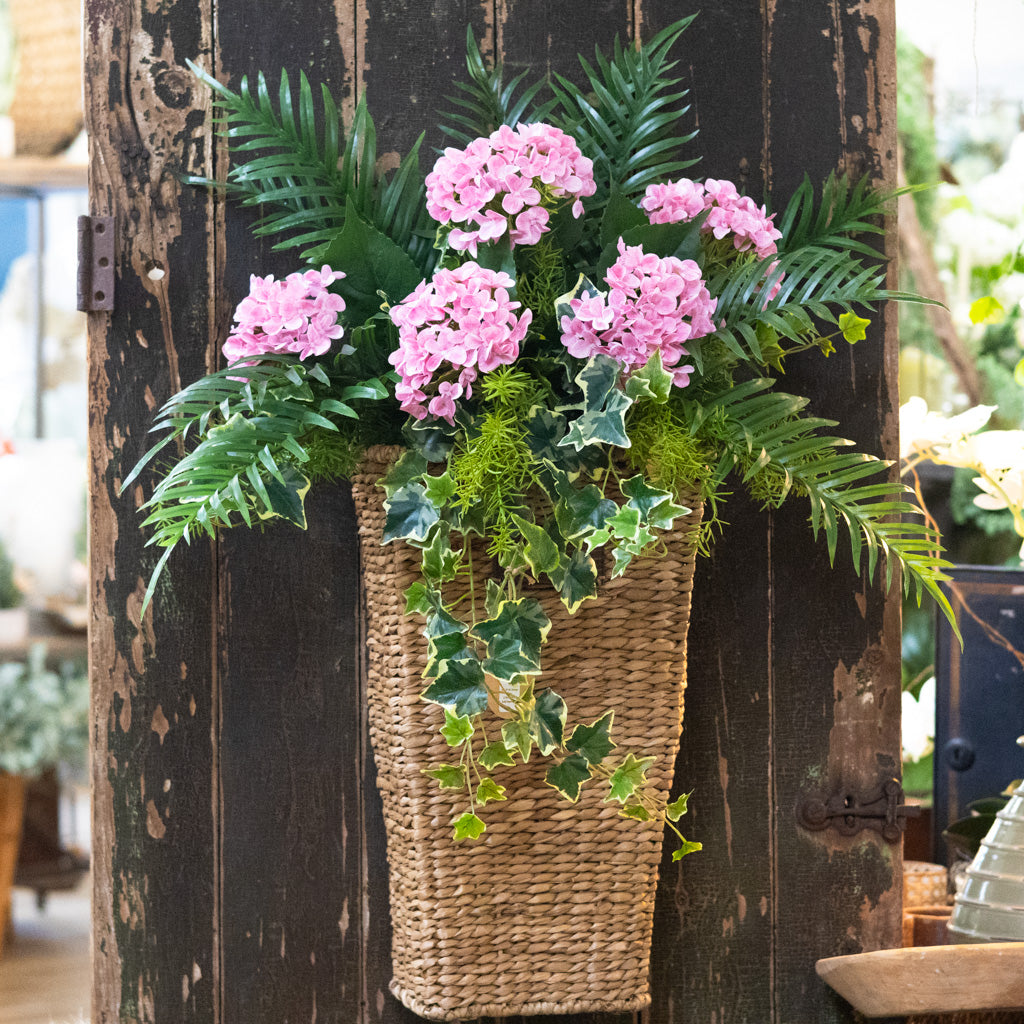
{"points": [[509, 181], [729, 213], [653, 305], [297, 315], [460, 320]]}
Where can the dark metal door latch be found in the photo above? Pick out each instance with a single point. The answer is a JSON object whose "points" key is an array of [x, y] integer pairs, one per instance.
{"points": [[848, 812]]}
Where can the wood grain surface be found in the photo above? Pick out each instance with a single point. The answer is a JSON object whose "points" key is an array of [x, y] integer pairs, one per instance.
{"points": [[240, 861]]}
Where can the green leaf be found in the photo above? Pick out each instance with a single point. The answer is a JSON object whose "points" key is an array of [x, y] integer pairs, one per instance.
{"points": [[583, 510], [853, 326], [468, 826], [576, 580], [418, 599], [675, 810], [494, 596], [514, 638], [603, 420], [287, 496], [449, 776], [651, 381], [440, 489], [516, 736], [628, 777], [495, 754], [568, 776], [688, 847], [457, 729], [987, 310], [635, 811], [460, 685], [440, 562], [541, 552], [443, 647], [620, 215], [410, 515], [410, 466], [593, 742], [372, 263], [488, 790], [547, 721], [497, 256]]}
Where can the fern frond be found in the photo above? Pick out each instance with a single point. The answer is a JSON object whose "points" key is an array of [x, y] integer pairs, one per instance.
{"points": [[629, 115], [486, 101], [304, 170], [763, 435]]}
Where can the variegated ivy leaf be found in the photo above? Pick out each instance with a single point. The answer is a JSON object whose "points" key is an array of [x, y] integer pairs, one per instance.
{"points": [[651, 381], [487, 790], [494, 594], [547, 721], [575, 579], [286, 496], [677, 808], [593, 742], [457, 729], [449, 776], [628, 778], [655, 505], [440, 562], [541, 552], [468, 826], [495, 754], [410, 466], [627, 527], [635, 811], [441, 648], [441, 623], [582, 510], [418, 599], [514, 638], [439, 489], [460, 685], [410, 515], [568, 776], [603, 420], [516, 736], [686, 848]]}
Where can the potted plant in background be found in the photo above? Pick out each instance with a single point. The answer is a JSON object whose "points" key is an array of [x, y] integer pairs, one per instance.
{"points": [[44, 717], [556, 355]]}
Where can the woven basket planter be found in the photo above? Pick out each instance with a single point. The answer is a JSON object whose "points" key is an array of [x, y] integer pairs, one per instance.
{"points": [[551, 911]]}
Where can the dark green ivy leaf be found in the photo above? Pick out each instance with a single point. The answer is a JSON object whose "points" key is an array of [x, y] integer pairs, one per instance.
{"points": [[603, 420], [514, 637], [495, 754], [581, 510], [440, 561], [410, 466], [576, 580], [287, 495], [569, 776]]}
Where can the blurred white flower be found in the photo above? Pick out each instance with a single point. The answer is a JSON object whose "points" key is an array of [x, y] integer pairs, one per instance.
{"points": [[922, 430], [919, 722]]}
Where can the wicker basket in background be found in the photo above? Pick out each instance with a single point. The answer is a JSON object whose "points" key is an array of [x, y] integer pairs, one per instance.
{"points": [[47, 106], [924, 885], [551, 911]]}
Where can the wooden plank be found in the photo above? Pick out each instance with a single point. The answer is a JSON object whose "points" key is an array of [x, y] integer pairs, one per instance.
{"points": [[153, 709], [835, 639], [714, 915], [291, 751]]}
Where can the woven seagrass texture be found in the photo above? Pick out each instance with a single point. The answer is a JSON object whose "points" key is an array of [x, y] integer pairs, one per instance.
{"points": [[551, 910], [47, 105], [924, 884]]}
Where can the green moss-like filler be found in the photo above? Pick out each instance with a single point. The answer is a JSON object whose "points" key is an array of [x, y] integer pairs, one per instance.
{"points": [[331, 456], [494, 467], [541, 281], [666, 449]]}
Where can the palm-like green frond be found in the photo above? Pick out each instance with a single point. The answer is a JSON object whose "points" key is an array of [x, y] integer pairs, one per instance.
{"points": [[764, 436], [303, 170], [628, 116], [843, 210], [245, 464], [486, 102]]}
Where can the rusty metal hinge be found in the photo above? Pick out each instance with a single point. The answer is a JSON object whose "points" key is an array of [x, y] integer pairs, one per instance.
{"points": [[95, 264], [849, 812]]}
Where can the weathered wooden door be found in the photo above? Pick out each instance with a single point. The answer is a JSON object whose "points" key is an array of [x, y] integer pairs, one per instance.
{"points": [[240, 871]]}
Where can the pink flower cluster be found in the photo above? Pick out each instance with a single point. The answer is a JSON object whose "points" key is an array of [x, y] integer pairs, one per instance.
{"points": [[297, 315], [653, 305], [505, 183], [462, 318], [728, 212]]}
